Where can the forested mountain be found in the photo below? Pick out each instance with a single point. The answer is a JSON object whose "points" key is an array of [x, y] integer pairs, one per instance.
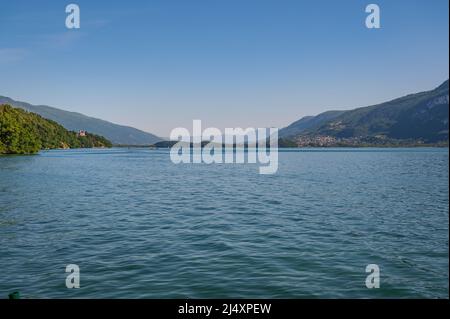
{"points": [[420, 118], [308, 122], [22, 132], [117, 134]]}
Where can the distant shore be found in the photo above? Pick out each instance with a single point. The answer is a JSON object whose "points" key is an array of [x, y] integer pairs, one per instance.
{"points": [[170, 144]]}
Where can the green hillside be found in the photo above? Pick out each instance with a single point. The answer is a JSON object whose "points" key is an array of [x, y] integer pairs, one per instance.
{"points": [[22, 132], [308, 122], [117, 134], [415, 119]]}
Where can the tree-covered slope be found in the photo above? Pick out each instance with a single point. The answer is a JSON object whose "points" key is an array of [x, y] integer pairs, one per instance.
{"points": [[308, 122], [117, 134], [22, 132], [421, 117]]}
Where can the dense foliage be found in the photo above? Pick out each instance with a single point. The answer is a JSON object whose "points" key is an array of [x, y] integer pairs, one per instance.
{"points": [[22, 132], [73, 121]]}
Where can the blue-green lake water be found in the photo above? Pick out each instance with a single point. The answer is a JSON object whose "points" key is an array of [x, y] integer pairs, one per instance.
{"points": [[139, 226]]}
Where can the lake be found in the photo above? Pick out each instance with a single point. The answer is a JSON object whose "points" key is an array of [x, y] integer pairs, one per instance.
{"points": [[139, 226]]}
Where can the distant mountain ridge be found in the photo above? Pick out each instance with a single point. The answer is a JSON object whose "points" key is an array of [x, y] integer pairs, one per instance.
{"points": [[308, 122], [72, 121], [422, 117]]}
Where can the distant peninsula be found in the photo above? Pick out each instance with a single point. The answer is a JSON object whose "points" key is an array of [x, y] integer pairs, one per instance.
{"points": [[23, 132]]}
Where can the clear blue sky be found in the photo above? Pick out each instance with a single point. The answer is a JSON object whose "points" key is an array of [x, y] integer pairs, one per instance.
{"points": [[157, 65]]}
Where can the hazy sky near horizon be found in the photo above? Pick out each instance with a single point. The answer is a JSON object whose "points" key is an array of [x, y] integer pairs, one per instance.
{"points": [[157, 65]]}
